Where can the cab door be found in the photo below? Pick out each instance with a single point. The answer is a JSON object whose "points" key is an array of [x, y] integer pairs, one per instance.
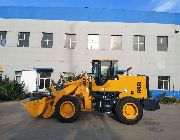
{"points": [[103, 71]]}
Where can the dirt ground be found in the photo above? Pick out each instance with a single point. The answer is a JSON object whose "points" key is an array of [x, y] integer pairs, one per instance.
{"points": [[17, 124]]}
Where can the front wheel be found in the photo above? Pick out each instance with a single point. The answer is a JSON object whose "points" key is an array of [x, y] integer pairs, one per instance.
{"points": [[129, 111], [67, 109]]}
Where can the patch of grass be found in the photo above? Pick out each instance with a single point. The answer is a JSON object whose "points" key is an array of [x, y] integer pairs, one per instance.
{"points": [[168, 100], [164, 99]]}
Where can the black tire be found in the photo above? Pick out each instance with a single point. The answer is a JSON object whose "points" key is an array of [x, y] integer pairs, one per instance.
{"points": [[76, 104], [119, 111], [113, 110]]}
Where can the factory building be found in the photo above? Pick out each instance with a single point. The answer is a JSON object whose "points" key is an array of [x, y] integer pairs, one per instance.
{"points": [[56, 40]]}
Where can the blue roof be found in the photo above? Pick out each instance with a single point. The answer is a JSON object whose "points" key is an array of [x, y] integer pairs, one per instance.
{"points": [[88, 14]]}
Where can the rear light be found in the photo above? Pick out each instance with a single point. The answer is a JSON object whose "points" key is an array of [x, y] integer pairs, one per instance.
{"points": [[147, 86]]}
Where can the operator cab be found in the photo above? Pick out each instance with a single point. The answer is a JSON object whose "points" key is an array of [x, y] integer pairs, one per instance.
{"points": [[104, 70]]}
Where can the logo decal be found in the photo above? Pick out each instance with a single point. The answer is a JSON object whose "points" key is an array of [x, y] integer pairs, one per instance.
{"points": [[138, 87]]}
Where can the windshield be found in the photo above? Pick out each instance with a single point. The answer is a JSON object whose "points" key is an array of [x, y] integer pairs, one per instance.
{"points": [[105, 68], [115, 67], [95, 68]]}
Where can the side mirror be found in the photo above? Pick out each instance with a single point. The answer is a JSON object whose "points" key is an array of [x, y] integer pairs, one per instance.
{"points": [[128, 69]]}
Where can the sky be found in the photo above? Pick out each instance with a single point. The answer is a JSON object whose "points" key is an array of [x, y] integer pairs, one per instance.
{"points": [[172, 6]]}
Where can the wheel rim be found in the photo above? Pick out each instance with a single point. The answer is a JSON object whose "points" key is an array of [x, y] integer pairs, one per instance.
{"points": [[130, 111], [67, 109]]}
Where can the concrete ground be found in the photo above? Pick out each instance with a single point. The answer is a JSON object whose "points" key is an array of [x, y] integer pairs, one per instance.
{"points": [[17, 124]]}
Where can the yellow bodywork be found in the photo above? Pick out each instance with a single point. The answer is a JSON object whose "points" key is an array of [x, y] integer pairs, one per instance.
{"points": [[35, 107], [126, 85], [46, 106]]}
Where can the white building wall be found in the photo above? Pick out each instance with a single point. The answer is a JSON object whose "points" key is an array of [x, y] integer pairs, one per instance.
{"points": [[150, 62]]}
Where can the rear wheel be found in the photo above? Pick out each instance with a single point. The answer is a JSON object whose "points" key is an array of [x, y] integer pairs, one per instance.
{"points": [[67, 109], [129, 111], [113, 111]]}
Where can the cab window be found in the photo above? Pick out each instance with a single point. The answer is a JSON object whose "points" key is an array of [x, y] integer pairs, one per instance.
{"points": [[95, 69], [105, 69], [115, 67]]}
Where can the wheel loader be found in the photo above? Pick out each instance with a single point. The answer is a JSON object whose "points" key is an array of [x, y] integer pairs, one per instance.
{"points": [[106, 89]]}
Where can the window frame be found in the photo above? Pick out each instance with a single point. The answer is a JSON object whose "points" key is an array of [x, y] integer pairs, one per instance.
{"points": [[28, 36], [92, 48], [139, 43], [1, 75], [70, 41], [43, 76], [116, 42], [18, 74], [160, 47], [1, 38], [163, 82], [47, 33]]}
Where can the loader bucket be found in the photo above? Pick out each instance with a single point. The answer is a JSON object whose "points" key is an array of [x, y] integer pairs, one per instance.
{"points": [[35, 107]]}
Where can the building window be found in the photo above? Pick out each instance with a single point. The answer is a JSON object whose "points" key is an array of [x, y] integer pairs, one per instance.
{"points": [[93, 42], [139, 43], [116, 42], [18, 75], [23, 39], [162, 43], [0, 76], [45, 80], [47, 40], [3, 38], [164, 82], [70, 41]]}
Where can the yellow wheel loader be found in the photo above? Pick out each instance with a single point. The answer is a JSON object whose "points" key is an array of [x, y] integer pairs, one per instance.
{"points": [[107, 89]]}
